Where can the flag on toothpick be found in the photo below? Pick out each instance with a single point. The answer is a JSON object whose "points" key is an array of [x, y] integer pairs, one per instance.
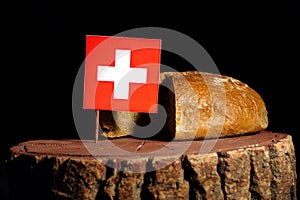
{"points": [[122, 73]]}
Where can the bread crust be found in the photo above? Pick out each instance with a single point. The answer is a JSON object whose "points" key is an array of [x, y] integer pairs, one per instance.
{"points": [[205, 105], [211, 105]]}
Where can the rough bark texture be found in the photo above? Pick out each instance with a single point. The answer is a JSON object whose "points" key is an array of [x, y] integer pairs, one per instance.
{"points": [[236, 168]]}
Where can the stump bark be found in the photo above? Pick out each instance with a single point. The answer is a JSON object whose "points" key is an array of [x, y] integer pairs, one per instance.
{"points": [[257, 166]]}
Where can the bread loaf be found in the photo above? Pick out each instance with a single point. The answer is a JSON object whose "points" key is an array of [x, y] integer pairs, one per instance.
{"points": [[198, 105]]}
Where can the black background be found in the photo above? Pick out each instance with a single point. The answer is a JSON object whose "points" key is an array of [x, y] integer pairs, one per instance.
{"points": [[44, 45]]}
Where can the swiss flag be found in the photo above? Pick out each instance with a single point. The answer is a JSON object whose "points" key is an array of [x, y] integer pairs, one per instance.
{"points": [[121, 73]]}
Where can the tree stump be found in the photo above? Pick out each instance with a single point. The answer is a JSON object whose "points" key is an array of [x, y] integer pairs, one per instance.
{"points": [[256, 166]]}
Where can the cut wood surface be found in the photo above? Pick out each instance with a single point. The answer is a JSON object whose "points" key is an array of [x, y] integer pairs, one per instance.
{"points": [[256, 166]]}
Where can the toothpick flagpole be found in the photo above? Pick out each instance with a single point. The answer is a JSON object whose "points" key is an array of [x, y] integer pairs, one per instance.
{"points": [[97, 126]]}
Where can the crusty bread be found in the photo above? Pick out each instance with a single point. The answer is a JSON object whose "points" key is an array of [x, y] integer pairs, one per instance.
{"points": [[198, 105]]}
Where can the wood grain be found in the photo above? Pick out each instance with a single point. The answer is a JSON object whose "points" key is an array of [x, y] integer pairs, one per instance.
{"points": [[257, 166]]}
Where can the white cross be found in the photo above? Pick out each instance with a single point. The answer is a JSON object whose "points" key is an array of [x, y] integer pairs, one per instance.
{"points": [[122, 74]]}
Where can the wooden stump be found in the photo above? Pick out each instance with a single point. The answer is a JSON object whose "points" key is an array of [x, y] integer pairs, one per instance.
{"points": [[258, 166]]}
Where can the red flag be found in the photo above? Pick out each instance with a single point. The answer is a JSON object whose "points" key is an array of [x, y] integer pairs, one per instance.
{"points": [[121, 73]]}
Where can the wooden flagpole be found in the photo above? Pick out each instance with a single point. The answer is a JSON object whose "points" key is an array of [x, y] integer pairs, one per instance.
{"points": [[97, 126]]}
